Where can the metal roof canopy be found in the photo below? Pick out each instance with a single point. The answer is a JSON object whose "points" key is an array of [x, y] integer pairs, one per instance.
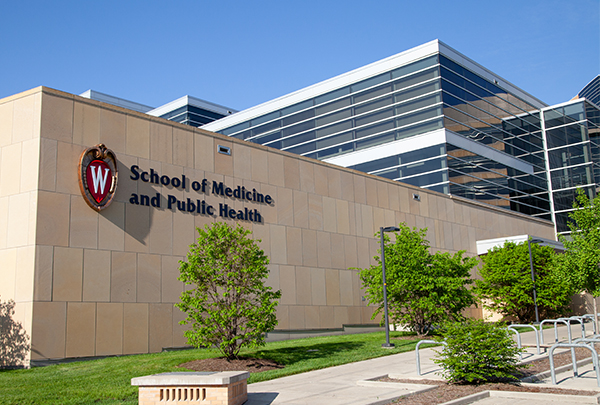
{"points": [[483, 246]]}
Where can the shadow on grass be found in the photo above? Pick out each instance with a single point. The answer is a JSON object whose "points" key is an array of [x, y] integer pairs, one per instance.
{"points": [[291, 355]]}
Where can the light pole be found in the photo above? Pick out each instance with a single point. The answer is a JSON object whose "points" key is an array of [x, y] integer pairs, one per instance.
{"points": [[529, 242], [387, 343]]}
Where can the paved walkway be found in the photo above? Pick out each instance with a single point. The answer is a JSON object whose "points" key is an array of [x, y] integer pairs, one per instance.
{"points": [[351, 384]]}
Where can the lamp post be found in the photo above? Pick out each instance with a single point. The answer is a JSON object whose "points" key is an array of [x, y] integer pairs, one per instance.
{"points": [[529, 242], [387, 343]]}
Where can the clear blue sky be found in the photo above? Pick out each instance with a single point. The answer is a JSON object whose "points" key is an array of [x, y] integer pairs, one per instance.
{"points": [[242, 53]]}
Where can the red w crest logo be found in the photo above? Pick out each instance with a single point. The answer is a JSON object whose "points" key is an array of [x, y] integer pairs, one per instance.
{"points": [[98, 176]]}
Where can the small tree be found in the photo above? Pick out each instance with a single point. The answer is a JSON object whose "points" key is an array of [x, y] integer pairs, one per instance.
{"points": [[423, 289], [477, 352], [580, 265], [506, 286], [229, 306]]}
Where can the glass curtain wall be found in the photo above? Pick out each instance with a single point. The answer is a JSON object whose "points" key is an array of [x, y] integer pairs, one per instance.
{"points": [[191, 115], [572, 134], [414, 99], [483, 112], [397, 104]]}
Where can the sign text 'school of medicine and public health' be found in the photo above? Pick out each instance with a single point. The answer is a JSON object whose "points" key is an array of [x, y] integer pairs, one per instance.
{"points": [[198, 206]]}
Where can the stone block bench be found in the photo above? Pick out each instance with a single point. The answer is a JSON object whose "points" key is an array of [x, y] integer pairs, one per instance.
{"points": [[187, 388]]}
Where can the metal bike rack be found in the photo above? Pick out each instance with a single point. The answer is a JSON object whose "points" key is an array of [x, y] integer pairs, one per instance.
{"points": [[573, 359], [537, 339], [417, 351], [593, 319], [555, 321], [579, 319]]}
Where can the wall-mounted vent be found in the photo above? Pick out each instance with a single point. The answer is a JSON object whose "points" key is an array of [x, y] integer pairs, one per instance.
{"points": [[224, 150], [416, 197]]}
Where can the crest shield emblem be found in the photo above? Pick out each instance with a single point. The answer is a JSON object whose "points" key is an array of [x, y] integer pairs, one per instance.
{"points": [[98, 176]]}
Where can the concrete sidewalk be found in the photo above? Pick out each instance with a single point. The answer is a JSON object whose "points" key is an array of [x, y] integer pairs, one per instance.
{"points": [[351, 384]]}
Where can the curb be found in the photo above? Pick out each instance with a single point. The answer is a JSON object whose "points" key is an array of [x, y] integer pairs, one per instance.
{"points": [[547, 398]]}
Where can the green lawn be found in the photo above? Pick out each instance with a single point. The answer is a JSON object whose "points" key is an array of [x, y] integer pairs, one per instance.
{"points": [[107, 381]]}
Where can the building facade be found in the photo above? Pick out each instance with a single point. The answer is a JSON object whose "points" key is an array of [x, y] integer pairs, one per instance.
{"points": [[433, 118], [95, 283]]}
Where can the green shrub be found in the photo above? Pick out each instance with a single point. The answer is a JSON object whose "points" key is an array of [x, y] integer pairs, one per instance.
{"points": [[424, 289], [506, 286], [477, 352]]}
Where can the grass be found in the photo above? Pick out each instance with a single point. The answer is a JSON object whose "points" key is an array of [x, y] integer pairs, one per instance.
{"points": [[107, 381]]}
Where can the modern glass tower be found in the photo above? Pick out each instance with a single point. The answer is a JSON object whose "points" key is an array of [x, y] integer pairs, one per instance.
{"points": [[572, 136], [429, 116]]}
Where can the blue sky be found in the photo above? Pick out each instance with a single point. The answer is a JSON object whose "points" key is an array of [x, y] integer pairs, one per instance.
{"points": [[242, 53]]}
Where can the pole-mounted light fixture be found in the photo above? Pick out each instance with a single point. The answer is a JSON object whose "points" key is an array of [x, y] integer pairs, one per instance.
{"points": [[387, 343], [529, 242]]}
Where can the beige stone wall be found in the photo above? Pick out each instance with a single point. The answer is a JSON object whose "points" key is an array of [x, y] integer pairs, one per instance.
{"points": [[20, 118], [105, 283]]}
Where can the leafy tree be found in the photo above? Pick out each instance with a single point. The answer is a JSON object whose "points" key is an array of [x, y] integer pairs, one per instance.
{"points": [[229, 306], [580, 264], [14, 341], [423, 289], [477, 352], [506, 286]]}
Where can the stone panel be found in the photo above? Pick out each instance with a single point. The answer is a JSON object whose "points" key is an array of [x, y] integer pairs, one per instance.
{"points": [[68, 274], [123, 277], [81, 329], [96, 275], [160, 326], [48, 330], [135, 328], [86, 124], [109, 329]]}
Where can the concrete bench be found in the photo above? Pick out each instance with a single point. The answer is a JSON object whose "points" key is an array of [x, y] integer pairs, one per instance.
{"points": [[187, 388]]}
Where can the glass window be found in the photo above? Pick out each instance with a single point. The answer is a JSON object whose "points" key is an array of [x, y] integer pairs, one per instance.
{"points": [[416, 92], [419, 116], [569, 156], [375, 140], [373, 129], [298, 117], [265, 128], [370, 82], [563, 200], [337, 150], [307, 147], [294, 140], [571, 177], [332, 95], [297, 107], [382, 102], [236, 128], [265, 118], [298, 128], [574, 111], [336, 105], [427, 179], [413, 67], [377, 164], [422, 167], [421, 154], [419, 129], [328, 119], [267, 138], [377, 116], [372, 93], [416, 78], [334, 140], [419, 103], [342, 126], [391, 174]]}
